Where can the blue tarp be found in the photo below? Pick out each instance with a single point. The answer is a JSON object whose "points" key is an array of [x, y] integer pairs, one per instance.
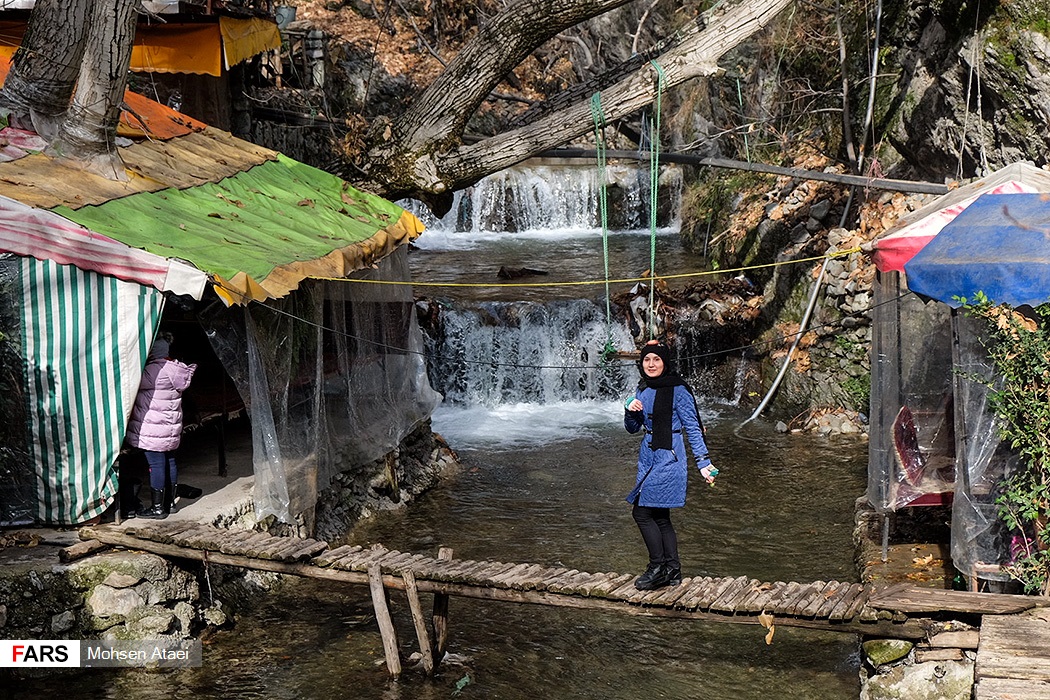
{"points": [[999, 245]]}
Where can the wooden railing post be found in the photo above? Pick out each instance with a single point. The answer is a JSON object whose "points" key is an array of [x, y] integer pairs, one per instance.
{"points": [[440, 618], [386, 625], [418, 621]]}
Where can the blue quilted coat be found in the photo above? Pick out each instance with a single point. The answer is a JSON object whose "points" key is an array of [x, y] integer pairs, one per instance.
{"points": [[662, 474]]}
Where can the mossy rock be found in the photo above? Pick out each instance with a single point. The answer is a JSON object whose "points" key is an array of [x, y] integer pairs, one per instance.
{"points": [[886, 651]]}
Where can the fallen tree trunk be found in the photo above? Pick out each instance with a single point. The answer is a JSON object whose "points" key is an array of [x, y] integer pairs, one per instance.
{"points": [[421, 155]]}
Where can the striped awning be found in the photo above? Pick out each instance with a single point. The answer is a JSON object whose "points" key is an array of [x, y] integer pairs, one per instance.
{"points": [[85, 341]]}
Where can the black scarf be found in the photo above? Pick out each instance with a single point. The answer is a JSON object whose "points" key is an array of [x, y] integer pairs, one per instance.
{"points": [[663, 407]]}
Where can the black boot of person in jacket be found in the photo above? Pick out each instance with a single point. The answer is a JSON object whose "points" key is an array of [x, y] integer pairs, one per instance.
{"points": [[159, 508]]}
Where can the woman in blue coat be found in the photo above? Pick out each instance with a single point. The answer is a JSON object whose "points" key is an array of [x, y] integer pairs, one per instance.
{"points": [[665, 408]]}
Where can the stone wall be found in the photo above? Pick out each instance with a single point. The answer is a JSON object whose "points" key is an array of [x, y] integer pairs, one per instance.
{"points": [[132, 595]]}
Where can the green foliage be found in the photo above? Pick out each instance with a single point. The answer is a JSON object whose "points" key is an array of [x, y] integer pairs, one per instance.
{"points": [[1019, 348], [858, 390]]}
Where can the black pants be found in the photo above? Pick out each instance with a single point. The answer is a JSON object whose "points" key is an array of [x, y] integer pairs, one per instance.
{"points": [[658, 534]]}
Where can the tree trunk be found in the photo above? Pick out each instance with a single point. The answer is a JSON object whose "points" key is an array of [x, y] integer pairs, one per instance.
{"points": [[45, 66], [88, 133], [421, 158]]}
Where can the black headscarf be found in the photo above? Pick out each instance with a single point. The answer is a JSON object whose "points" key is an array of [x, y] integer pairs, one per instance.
{"points": [[663, 404]]}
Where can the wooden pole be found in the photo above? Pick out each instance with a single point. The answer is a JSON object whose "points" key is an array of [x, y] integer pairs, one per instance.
{"points": [[440, 617], [418, 621], [386, 625]]}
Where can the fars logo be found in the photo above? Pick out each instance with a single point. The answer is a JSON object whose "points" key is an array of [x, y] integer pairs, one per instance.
{"points": [[41, 653]]}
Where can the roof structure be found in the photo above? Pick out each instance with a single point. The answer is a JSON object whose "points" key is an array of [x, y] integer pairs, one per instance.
{"points": [[911, 234], [255, 221]]}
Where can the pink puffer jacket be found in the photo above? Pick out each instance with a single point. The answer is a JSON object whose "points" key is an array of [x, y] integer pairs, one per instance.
{"points": [[156, 419]]}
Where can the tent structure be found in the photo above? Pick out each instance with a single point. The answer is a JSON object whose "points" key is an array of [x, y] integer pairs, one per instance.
{"points": [[215, 223], [932, 440], [1000, 246]]}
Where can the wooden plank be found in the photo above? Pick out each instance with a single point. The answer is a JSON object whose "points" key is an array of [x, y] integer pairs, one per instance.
{"points": [[559, 583], [844, 603], [528, 578], [805, 595], [511, 573], [858, 604], [439, 617], [697, 591], [754, 600], [80, 550], [1011, 689], [579, 583], [833, 597], [426, 652], [930, 600], [611, 584], [621, 592], [386, 625], [818, 599], [1017, 646], [326, 558], [963, 639], [364, 559], [496, 567], [780, 594], [672, 594], [726, 600]]}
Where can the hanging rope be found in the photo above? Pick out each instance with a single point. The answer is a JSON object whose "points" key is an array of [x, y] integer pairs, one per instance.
{"points": [[603, 207], [654, 183]]}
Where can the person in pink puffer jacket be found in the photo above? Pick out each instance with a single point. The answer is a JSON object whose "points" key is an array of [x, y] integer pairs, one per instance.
{"points": [[155, 426]]}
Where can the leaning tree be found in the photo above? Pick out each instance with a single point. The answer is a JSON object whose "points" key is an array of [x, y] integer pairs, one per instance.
{"points": [[421, 153]]}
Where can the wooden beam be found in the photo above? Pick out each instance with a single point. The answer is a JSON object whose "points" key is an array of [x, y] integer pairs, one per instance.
{"points": [[874, 183], [913, 628], [386, 625], [420, 624], [440, 617]]}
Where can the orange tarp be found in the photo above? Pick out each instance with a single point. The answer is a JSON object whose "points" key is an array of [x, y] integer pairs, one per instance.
{"points": [[244, 38], [153, 119], [181, 48], [177, 48]]}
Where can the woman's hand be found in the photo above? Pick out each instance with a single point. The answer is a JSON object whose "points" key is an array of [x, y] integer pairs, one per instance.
{"points": [[634, 405], [709, 473]]}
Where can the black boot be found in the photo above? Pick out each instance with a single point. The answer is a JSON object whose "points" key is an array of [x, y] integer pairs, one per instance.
{"points": [[652, 578], [672, 577], [170, 495], [159, 508]]}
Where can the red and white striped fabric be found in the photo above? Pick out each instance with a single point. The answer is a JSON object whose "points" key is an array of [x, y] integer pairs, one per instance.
{"points": [[897, 248], [44, 235]]}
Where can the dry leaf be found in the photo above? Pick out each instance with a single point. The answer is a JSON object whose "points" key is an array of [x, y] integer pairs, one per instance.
{"points": [[766, 620], [769, 634], [922, 561]]}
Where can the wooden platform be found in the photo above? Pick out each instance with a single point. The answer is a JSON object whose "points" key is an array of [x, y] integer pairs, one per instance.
{"points": [[1013, 657], [847, 607]]}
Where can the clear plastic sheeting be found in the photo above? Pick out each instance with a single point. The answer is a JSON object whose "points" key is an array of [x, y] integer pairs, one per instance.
{"points": [[912, 443], [17, 473], [333, 377], [980, 540]]}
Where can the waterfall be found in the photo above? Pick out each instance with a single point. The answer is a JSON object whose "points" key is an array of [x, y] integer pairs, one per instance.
{"points": [[544, 200], [497, 353]]}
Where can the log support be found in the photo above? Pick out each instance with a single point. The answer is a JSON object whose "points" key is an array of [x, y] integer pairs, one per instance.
{"points": [[386, 626]]}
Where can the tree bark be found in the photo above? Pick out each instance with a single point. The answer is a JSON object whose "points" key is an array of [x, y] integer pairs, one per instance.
{"points": [[421, 159], [46, 65], [88, 133]]}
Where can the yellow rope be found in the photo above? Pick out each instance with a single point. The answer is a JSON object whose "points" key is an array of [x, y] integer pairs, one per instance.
{"points": [[581, 283]]}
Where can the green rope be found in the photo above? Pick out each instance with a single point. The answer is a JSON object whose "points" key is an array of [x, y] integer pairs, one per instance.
{"points": [[603, 207], [654, 183]]}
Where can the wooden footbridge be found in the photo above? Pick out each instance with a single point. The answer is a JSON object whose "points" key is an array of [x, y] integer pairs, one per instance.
{"points": [[897, 611]]}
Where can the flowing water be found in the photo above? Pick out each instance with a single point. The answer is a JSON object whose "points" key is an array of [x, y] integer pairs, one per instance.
{"points": [[546, 463]]}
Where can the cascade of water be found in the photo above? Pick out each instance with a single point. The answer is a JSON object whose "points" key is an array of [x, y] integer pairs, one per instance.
{"points": [[549, 200], [525, 352]]}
